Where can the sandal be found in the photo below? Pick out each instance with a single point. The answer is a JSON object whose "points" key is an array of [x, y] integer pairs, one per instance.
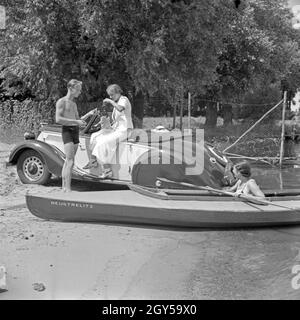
{"points": [[107, 174], [91, 164]]}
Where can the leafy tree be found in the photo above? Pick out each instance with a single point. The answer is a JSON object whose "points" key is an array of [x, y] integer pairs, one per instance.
{"points": [[261, 51], [157, 46], [149, 47]]}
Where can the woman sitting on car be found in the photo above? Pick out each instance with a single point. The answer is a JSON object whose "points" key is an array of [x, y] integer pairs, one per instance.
{"points": [[104, 144]]}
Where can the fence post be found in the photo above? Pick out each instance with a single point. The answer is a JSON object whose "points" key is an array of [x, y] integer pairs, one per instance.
{"points": [[181, 108], [189, 110], [174, 114], [282, 128]]}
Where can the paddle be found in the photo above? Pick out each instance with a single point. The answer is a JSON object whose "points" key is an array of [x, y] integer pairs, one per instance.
{"points": [[241, 196], [207, 188]]}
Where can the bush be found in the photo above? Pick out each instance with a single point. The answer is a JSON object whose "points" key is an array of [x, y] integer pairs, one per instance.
{"points": [[17, 117]]}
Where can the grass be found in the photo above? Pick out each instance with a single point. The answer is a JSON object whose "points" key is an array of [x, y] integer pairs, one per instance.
{"points": [[234, 130]]}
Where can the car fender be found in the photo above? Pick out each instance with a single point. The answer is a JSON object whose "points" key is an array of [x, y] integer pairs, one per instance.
{"points": [[155, 162], [53, 157], [176, 169]]}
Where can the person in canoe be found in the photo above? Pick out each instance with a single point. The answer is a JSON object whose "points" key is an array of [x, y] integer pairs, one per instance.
{"points": [[105, 145], [245, 184]]}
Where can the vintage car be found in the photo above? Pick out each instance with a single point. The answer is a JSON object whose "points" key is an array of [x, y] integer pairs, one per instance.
{"points": [[143, 157]]}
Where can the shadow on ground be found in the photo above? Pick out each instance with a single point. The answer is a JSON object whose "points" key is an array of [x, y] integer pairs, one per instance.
{"points": [[78, 185]]}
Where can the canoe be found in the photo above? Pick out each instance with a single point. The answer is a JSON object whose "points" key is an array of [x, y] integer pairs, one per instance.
{"points": [[166, 208]]}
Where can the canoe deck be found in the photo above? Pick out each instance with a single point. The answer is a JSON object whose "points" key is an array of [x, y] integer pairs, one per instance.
{"points": [[129, 207]]}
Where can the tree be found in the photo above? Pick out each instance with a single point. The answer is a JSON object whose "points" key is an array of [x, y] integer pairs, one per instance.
{"points": [[149, 47], [158, 46], [261, 50]]}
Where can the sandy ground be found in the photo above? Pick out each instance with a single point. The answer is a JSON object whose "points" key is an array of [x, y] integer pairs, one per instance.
{"points": [[94, 261], [84, 261]]}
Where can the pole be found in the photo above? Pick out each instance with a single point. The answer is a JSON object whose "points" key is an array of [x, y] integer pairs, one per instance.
{"points": [[280, 180], [181, 107], [181, 113], [189, 110], [282, 128], [174, 113]]}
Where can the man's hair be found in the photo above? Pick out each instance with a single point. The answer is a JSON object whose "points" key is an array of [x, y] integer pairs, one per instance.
{"points": [[115, 88], [73, 83]]}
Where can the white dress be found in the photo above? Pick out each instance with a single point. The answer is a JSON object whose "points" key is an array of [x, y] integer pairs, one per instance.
{"points": [[107, 141]]}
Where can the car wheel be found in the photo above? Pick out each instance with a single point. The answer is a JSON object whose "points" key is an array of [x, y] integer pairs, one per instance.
{"points": [[32, 169]]}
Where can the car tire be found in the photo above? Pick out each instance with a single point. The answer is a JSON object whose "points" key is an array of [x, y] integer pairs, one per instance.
{"points": [[32, 169]]}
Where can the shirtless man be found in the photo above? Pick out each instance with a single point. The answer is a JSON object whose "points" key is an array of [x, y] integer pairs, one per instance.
{"points": [[67, 116]]}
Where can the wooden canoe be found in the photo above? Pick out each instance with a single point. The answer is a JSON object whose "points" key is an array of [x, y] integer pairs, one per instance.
{"points": [[166, 208]]}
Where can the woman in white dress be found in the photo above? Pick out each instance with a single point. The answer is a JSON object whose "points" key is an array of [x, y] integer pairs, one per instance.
{"points": [[105, 144]]}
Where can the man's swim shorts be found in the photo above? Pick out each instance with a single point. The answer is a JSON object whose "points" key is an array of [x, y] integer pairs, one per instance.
{"points": [[70, 134]]}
